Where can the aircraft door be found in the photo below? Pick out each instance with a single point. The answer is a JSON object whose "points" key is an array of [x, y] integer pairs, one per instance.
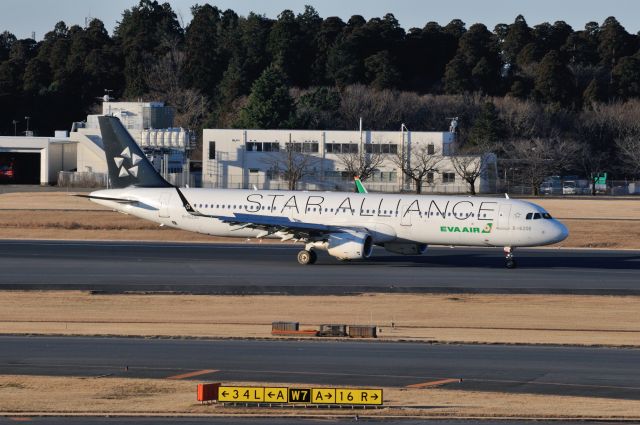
{"points": [[503, 216], [163, 212]]}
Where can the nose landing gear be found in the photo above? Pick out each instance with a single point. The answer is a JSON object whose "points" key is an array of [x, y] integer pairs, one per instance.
{"points": [[510, 262]]}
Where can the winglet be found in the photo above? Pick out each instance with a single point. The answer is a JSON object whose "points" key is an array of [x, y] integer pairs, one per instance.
{"points": [[359, 186]]}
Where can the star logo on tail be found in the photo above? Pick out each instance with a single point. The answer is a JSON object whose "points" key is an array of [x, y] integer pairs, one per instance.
{"points": [[123, 171]]}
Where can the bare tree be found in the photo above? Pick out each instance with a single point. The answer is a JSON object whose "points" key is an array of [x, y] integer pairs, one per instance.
{"points": [[418, 163], [539, 158], [360, 164], [470, 164], [291, 164], [164, 77], [629, 151], [593, 163]]}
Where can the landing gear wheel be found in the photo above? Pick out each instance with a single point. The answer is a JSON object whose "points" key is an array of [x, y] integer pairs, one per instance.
{"points": [[307, 257], [510, 261]]}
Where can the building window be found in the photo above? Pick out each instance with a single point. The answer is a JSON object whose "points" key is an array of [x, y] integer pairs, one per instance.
{"points": [[448, 177], [254, 147], [383, 148], [271, 147], [310, 147], [429, 178], [212, 150], [431, 149], [340, 148], [383, 176]]}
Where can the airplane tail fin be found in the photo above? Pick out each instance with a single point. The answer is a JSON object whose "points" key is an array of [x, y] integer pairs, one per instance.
{"points": [[127, 164]]}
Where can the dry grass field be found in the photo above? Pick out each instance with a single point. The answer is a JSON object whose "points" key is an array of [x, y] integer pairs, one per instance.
{"points": [[122, 396], [511, 319], [58, 215]]}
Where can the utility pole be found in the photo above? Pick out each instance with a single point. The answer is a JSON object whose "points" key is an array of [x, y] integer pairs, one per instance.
{"points": [[26, 133], [405, 155], [15, 127]]}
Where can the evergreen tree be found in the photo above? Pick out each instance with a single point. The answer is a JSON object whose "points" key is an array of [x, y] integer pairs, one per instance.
{"points": [[626, 77], [254, 36], [6, 41], [204, 65], [488, 129], [269, 105], [594, 93], [310, 23], [613, 42], [146, 31], [457, 77], [286, 46], [329, 31], [554, 82], [518, 35], [318, 108], [477, 57], [381, 71]]}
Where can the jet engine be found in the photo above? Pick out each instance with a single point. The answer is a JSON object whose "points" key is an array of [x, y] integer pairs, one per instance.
{"points": [[405, 248], [350, 245]]}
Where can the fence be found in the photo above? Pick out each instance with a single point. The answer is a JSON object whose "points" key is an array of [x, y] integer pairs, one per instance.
{"points": [[100, 180], [83, 179], [576, 188]]}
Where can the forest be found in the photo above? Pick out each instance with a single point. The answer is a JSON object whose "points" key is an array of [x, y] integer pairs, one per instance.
{"points": [[514, 87]]}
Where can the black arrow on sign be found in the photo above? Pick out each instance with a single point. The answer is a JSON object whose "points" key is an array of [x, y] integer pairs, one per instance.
{"points": [[270, 394], [374, 396], [224, 393], [329, 396]]}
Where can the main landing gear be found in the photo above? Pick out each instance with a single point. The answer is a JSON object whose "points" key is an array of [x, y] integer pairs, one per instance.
{"points": [[307, 256], [510, 261]]}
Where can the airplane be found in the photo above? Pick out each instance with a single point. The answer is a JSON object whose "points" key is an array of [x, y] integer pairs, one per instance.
{"points": [[345, 224]]}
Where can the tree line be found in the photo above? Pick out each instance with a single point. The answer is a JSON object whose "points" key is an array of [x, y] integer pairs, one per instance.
{"points": [[512, 84]]}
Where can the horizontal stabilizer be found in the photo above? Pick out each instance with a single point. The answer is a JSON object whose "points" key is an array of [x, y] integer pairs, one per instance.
{"points": [[105, 198]]}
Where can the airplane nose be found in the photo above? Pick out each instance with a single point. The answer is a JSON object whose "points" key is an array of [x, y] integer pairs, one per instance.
{"points": [[561, 232]]}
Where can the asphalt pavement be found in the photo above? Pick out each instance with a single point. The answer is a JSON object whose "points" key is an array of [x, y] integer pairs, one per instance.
{"points": [[592, 372], [227, 420], [272, 269]]}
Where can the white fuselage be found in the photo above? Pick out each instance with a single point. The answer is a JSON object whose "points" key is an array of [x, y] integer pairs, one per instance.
{"points": [[423, 219]]}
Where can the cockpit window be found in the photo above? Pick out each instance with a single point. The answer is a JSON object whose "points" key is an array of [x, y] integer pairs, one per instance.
{"points": [[546, 216], [537, 216], [529, 215]]}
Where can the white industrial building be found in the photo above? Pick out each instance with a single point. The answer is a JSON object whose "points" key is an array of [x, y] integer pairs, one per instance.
{"points": [[36, 160], [150, 125], [245, 158]]}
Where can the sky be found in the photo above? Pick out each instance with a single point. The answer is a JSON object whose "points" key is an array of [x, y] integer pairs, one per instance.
{"points": [[22, 17]]}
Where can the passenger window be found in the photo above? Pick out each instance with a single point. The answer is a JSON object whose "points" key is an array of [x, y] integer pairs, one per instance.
{"points": [[529, 215], [536, 216], [546, 216]]}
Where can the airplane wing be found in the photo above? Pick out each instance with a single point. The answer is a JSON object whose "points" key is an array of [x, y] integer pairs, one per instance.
{"points": [[289, 229], [270, 225]]}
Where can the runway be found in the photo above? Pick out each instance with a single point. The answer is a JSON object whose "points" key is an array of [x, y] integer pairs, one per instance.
{"points": [[272, 269], [593, 372]]}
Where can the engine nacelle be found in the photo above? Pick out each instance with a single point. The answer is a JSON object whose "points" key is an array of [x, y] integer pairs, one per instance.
{"points": [[350, 245], [405, 248]]}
